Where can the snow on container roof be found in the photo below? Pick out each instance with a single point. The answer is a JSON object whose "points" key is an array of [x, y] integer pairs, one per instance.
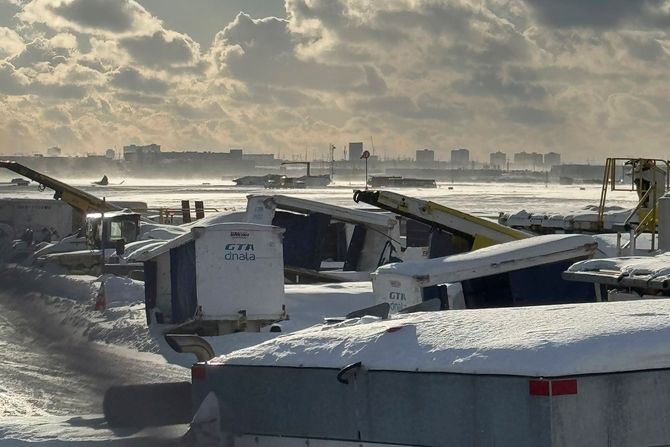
{"points": [[495, 259], [541, 341], [654, 266], [193, 234], [651, 272], [344, 214]]}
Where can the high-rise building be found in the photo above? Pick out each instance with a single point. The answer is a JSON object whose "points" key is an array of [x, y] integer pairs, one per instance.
{"points": [[526, 160], [460, 157], [425, 156], [552, 159], [355, 151], [497, 160]]}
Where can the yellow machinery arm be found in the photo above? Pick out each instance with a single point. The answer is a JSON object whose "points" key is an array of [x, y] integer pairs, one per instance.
{"points": [[76, 198], [481, 231]]}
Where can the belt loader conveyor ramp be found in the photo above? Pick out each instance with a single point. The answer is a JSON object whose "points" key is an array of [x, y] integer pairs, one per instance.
{"points": [[76, 198], [479, 232]]}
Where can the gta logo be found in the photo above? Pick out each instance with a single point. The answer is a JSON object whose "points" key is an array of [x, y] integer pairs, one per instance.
{"points": [[239, 252]]}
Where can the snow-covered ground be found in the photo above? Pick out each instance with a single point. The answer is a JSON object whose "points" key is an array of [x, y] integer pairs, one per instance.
{"points": [[58, 354]]}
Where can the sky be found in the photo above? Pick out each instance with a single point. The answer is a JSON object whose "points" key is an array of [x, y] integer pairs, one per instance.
{"points": [[585, 78]]}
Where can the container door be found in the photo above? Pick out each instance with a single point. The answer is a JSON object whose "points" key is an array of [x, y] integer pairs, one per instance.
{"points": [[182, 278]]}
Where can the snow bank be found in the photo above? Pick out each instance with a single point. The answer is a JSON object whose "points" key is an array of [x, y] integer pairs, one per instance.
{"points": [[81, 288], [528, 341], [71, 300]]}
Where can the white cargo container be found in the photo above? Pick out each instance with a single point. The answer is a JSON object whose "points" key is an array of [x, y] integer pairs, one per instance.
{"points": [[217, 279], [517, 273]]}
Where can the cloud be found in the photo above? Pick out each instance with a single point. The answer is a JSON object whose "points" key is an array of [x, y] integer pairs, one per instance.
{"points": [[40, 54], [11, 82], [646, 47], [131, 79], [264, 51], [10, 43], [163, 49], [532, 116], [570, 76], [57, 115], [495, 85], [601, 15], [100, 17]]}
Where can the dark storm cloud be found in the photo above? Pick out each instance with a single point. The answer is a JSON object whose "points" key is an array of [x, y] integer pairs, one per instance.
{"points": [[601, 14], [646, 48], [139, 98], [131, 79], [532, 116], [7, 12], [494, 85], [40, 51], [11, 82], [264, 51], [425, 108], [59, 91], [265, 94], [110, 15], [161, 50]]}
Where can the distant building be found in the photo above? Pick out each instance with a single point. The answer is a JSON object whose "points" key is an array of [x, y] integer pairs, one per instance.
{"points": [[140, 154], [355, 151], [54, 151], [264, 160], [526, 160], [237, 153], [552, 159], [497, 160], [109, 153], [425, 156], [460, 158]]}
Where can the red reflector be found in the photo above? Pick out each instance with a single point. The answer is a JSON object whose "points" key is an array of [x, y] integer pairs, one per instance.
{"points": [[538, 387], [197, 373], [552, 387], [562, 387]]}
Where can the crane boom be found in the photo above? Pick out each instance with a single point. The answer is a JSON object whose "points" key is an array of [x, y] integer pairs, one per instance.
{"points": [[76, 198]]}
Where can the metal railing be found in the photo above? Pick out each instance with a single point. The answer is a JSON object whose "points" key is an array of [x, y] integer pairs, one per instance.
{"points": [[648, 192]]}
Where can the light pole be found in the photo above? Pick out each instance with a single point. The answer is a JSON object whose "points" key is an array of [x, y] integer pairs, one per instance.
{"points": [[365, 155], [332, 161]]}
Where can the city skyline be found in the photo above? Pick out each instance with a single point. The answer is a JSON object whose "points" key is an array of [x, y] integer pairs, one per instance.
{"points": [[272, 77]]}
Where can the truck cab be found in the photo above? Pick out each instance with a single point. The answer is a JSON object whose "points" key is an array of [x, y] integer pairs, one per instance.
{"points": [[113, 227]]}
